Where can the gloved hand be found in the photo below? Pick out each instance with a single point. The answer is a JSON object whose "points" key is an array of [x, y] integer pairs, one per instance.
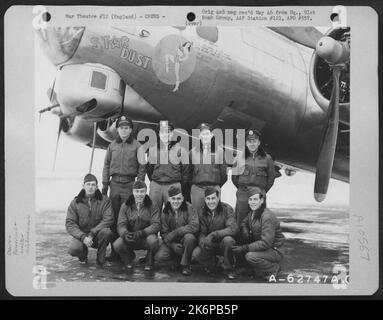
{"points": [[128, 237], [178, 246], [215, 237], [240, 249], [104, 190], [88, 241], [169, 237], [245, 235], [207, 242], [139, 234]]}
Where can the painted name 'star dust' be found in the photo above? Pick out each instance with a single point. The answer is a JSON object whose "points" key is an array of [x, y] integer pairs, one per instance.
{"points": [[126, 53]]}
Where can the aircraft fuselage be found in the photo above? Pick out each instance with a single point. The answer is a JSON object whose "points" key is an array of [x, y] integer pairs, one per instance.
{"points": [[249, 77]]}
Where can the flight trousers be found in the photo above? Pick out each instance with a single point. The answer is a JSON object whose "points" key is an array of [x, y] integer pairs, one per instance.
{"points": [[242, 204], [264, 262], [183, 249], [206, 257], [119, 193], [78, 249], [126, 250]]}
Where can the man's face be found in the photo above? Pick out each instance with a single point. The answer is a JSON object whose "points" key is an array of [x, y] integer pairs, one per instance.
{"points": [[124, 131], [253, 144], [90, 187], [255, 201], [139, 194], [205, 136], [176, 201], [212, 201], [166, 136]]}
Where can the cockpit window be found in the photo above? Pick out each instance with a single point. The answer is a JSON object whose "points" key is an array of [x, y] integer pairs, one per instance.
{"points": [[208, 33], [98, 80]]}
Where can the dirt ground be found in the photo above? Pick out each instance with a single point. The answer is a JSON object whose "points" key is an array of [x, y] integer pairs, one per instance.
{"points": [[317, 240]]}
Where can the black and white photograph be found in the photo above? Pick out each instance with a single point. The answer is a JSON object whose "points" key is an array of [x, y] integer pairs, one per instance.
{"points": [[192, 154], [267, 81]]}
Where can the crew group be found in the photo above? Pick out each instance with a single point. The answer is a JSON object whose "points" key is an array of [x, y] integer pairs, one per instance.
{"points": [[200, 231]]}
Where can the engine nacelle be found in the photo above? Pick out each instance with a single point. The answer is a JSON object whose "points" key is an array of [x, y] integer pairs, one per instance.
{"points": [[107, 130], [77, 84], [320, 71], [78, 128], [81, 130]]}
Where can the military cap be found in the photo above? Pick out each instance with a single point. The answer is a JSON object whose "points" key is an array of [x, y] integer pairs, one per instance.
{"points": [[124, 121], [139, 184], [210, 190], [204, 126], [252, 134], [256, 190], [173, 191], [90, 177]]}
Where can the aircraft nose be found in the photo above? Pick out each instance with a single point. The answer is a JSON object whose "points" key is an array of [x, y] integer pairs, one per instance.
{"points": [[59, 44]]}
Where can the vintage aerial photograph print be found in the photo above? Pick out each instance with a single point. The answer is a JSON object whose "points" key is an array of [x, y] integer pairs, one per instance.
{"points": [[189, 154]]}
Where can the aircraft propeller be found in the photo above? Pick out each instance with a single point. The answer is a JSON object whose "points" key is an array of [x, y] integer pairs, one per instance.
{"points": [[61, 125], [52, 100], [55, 104], [93, 146], [336, 54]]}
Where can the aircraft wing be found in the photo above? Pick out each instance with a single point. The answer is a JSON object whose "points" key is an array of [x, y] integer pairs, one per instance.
{"points": [[307, 36]]}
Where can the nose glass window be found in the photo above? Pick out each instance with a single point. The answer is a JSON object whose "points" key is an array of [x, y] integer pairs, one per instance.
{"points": [[98, 80]]}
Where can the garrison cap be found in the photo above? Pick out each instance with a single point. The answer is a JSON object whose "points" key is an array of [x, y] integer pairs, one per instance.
{"points": [[124, 121], [173, 191], [210, 190], [252, 134], [205, 126], [90, 177], [256, 190], [139, 184]]}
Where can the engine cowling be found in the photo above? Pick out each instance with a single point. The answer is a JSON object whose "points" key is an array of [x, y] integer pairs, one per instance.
{"points": [[107, 130], [320, 71]]}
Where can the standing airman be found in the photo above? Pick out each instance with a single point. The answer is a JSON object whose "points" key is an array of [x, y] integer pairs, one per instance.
{"points": [[168, 165], [258, 171], [121, 167], [208, 168]]}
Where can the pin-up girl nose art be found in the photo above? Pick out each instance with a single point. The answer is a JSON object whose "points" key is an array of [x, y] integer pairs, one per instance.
{"points": [[174, 60]]}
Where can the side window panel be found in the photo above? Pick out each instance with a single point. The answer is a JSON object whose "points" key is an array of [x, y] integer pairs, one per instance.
{"points": [[98, 80]]}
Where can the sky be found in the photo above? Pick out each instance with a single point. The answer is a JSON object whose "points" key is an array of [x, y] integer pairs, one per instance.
{"points": [[73, 158]]}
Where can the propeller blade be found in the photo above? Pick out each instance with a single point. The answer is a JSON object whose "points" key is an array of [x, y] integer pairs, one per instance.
{"points": [[52, 99], [61, 124], [52, 91], [307, 36], [328, 145], [93, 146]]}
